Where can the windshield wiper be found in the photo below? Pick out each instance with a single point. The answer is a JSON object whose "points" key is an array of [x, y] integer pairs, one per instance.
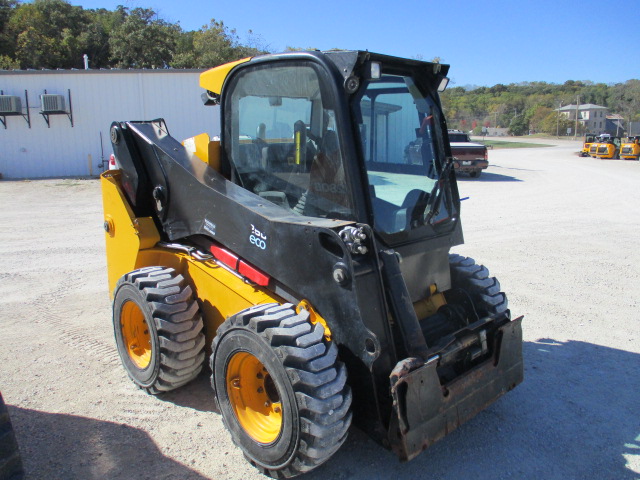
{"points": [[435, 199]]}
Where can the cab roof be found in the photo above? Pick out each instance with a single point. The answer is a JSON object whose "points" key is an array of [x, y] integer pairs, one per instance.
{"points": [[345, 60]]}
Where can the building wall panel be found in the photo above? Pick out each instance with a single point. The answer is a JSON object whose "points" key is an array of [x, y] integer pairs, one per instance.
{"points": [[98, 98]]}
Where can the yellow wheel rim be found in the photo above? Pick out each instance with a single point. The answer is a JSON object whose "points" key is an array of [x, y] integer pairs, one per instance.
{"points": [[135, 334], [254, 397]]}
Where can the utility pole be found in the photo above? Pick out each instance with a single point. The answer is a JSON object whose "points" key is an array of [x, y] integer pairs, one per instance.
{"points": [[558, 121], [575, 135]]}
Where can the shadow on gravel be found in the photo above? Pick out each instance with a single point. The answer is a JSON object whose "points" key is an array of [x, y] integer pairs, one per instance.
{"points": [[58, 446], [574, 417], [197, 394], [487, 177]]}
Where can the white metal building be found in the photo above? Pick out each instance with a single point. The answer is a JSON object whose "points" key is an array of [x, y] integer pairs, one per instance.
{"points": [[98, 97]]}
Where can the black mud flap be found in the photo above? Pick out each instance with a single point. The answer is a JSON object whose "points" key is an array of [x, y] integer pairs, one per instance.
{"points": [[425, 411]]}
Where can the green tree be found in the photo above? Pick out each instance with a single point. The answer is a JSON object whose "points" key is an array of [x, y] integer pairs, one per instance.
{"points": [[556, 123], [46, 34], [95, 37], [518, 125], [185, 56], [7, 43], [538, 116], [625, 99], [8, 63], [215, 44], [143, 40]]}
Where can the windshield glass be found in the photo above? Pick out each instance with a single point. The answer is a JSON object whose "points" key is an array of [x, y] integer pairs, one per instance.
{"points": [[402, 144], [283, 144]]}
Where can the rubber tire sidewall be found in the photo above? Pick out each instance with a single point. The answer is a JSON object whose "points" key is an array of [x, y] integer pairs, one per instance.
{"points": [[143, 377], [11, 467], [279, 453]]}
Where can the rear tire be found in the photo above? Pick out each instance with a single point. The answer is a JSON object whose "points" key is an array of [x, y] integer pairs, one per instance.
{"points": [[158, 329], [10, 461], [475, 280], [280, 388], [475, 173]]}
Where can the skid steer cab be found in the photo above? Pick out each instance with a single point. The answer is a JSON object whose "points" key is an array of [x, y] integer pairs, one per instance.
{"points": [[304, 258], [589, 139], [630, 149], [605, 146]]}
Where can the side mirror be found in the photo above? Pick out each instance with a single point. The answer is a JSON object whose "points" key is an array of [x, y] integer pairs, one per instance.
{"points": [[209, 98]]}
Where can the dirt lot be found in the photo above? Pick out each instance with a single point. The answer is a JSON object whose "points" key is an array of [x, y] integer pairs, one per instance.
{"points": [[560, 232]]}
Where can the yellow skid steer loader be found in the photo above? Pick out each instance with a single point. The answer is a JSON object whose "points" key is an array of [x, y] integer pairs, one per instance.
{"points": [[304, 258]]}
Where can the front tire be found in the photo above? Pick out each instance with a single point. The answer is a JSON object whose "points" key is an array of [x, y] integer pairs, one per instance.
{"points": [[280, 388], [10, 460], [158, 329], [475, 280]]}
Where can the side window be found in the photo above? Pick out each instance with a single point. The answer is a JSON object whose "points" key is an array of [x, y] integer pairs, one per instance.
{"points": [[281, 141]]}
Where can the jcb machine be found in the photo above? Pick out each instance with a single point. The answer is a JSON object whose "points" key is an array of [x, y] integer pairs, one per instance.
{"points": [[589, 138], [305, 258], [606, 146], [630, 150]]}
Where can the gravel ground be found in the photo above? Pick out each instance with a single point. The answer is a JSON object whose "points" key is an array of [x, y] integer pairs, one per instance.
{"points": [[560, 232]]}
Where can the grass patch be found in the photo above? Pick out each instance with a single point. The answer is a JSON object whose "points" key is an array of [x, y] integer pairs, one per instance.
{"points": [[505, 144], [71, 182], [68, 184]]}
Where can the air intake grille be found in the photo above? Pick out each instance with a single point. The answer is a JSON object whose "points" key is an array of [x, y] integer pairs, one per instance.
{"points": [[52, 103], [10, 104]]}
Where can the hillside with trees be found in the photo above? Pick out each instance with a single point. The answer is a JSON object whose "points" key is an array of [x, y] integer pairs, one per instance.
{"points": [[51, 34], [531, 105]]}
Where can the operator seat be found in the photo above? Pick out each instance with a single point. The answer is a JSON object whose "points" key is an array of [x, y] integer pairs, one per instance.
{"points": [[327, 192]]}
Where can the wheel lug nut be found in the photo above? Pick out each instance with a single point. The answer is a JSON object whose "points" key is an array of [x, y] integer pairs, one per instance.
{"points": [[235, 382], [260, 389], [277, 409], [259, 375], [266, 404]]}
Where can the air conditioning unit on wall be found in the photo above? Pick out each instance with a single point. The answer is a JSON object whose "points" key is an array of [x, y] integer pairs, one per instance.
{"points": [[10, 105], [52, 103]]}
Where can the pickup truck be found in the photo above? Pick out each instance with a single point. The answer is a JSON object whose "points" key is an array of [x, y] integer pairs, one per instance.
{"points": [[468, 157]]}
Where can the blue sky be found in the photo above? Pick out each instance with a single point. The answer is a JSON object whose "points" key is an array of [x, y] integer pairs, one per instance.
{"points": [[485, 42]]}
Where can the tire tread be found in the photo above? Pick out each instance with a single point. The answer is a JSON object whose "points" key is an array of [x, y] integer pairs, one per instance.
{"points": [[318, 379], [176, 317], [476, 280]]}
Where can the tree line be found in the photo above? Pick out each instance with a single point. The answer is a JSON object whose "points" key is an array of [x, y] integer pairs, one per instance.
{"points": [[51, 34], [531, 106]]}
